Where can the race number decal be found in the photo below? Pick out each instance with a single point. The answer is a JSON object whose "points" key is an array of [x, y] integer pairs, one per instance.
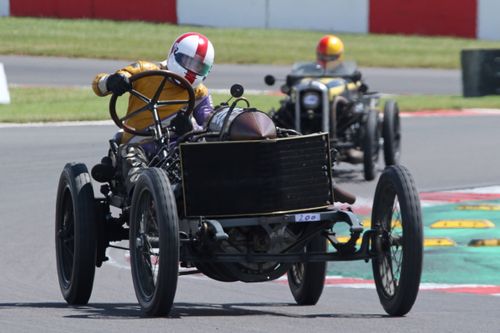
{"points": [[307, 217]]}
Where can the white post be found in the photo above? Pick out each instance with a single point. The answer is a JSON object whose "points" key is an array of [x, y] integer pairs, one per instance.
{"points": [[4, 90]]}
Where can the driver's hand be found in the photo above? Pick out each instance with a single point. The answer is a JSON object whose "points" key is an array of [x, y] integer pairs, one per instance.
{"points": [[118, 84], [181, 123]]}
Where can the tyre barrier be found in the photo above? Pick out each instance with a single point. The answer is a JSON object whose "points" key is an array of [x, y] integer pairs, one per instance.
{"points": [[480, 72]]}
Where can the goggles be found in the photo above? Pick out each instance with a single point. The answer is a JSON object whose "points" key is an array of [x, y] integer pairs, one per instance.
{"points": [[324, 57], [194, 65]]}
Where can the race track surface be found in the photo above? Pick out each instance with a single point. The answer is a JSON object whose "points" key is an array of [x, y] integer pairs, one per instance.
{"points": [[30, 299]]}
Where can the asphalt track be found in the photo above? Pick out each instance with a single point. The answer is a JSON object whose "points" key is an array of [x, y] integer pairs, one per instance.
{"points": [[80, 72], [442, 153]]}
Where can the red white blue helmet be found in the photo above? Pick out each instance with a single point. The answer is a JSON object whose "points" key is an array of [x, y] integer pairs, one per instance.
{"points": [[191, 56]]}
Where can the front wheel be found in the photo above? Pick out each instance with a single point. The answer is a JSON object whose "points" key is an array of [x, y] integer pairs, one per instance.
{"points": [[306, 280], [75, 234], [398, 240], [154, 242]]}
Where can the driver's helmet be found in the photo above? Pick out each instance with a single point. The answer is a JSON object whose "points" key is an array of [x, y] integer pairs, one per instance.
{"points": [[329, 51], [191, 56]]}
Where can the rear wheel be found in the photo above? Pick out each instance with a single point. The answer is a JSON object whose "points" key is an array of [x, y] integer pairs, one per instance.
{"points": [[306, 280], [398, 240], [391, 132], [371, 145], [154, 242], [75, 234]]}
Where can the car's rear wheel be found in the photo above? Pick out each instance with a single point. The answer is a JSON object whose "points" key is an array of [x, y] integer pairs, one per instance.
{"points": [[306, 280], [370, 145], [75, 234], [398, 240], [391, 132], [154, 242]]}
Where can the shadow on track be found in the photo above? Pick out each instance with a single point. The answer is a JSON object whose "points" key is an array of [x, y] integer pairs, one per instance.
{"points": [[250, 309], [90, 311], [184, 310]]}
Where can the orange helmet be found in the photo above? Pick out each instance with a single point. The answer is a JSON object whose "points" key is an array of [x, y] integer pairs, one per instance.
{"points": [[330, 49]]}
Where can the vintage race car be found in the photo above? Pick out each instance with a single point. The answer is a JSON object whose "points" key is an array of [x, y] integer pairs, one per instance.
{"points": [[240, 200], [338, 102]]}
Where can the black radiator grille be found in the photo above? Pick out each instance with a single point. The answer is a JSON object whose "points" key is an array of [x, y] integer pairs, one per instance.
{"points": [[256, 177]]}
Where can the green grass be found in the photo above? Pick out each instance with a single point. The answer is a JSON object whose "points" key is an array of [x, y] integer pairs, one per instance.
{"points": [[70, 104], [151, 41]]}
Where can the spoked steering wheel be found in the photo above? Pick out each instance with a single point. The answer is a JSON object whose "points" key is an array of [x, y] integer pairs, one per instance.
{"points": [[153, 103]]}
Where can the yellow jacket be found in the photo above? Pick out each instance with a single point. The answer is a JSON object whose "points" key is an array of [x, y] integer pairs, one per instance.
{"points": [[147, 86]]}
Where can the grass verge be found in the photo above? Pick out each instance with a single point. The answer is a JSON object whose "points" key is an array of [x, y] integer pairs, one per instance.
{"points": [[151, 41], [30, 104]]}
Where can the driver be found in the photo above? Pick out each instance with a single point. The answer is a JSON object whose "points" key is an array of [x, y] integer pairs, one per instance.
{"points": [[329, 52], [191, 56], [329, 64]]}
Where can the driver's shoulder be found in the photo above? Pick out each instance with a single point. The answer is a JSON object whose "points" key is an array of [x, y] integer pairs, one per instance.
{"points": [[141, 66]]}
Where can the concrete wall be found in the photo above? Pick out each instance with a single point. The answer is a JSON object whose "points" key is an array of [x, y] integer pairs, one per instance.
{"points": [[223, 13], [488, 19], [4, 8], [331, 15]]}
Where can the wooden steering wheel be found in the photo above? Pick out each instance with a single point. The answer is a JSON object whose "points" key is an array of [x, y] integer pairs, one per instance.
{"points": [[153, 103]]}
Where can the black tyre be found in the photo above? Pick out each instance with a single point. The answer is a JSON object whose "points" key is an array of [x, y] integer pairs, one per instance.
{"points": [[398, 240], [75, 234], [154, 242], [371, 145], [306, 280], [391, 132]]}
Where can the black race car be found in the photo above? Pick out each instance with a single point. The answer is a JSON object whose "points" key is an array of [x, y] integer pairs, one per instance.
{"points": [[337, 101], [240, 200]]}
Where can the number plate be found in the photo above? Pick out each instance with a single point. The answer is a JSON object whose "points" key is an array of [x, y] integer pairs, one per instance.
{"points": [[307, 217]]}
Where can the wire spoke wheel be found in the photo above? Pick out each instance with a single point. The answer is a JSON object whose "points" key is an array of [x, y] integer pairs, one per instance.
{"points": [[154, 242], [397, 244]]}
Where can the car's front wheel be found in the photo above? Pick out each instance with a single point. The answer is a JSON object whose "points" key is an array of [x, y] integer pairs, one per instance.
{"points": [[154, 242], [398, 240]]}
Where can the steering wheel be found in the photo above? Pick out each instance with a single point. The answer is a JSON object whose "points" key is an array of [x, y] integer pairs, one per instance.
{"points": [[152, 104]]}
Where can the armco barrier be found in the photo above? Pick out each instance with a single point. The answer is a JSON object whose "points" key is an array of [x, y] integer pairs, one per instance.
{"points": [[147, 10]]}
